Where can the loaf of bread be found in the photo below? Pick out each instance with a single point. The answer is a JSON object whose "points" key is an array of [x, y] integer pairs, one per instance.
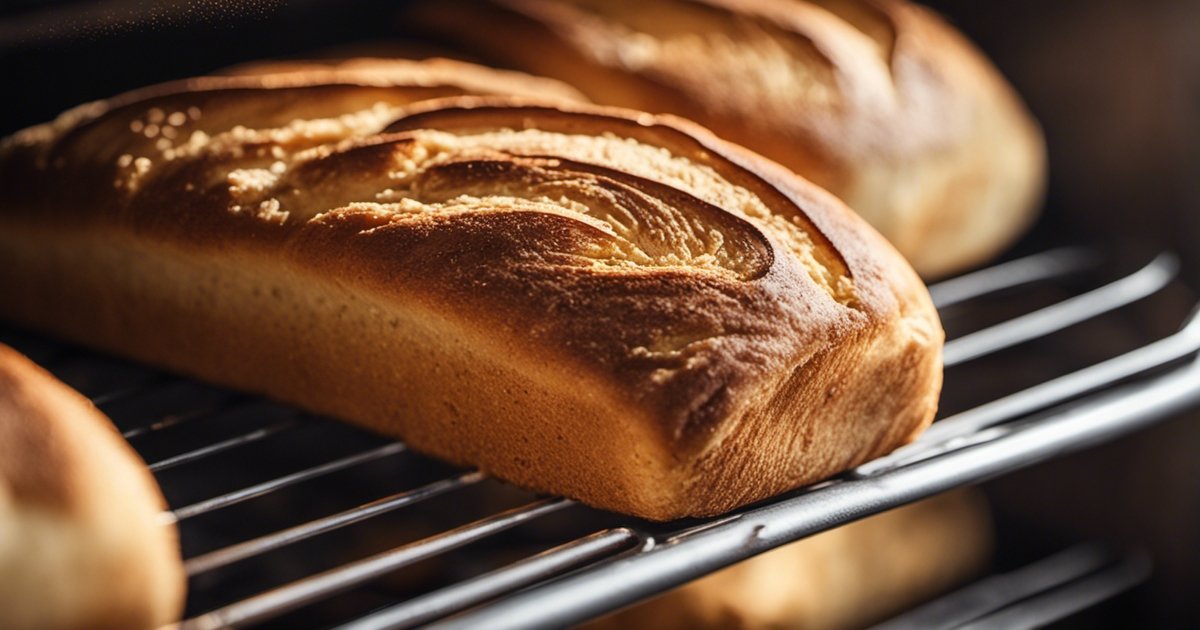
{"points": [[81, 541], [878, 101], [598, 303], [842, 579]]}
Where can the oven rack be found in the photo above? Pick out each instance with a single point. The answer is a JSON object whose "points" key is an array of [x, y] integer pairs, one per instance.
{"points": [[577, 572], [1033, 596]]}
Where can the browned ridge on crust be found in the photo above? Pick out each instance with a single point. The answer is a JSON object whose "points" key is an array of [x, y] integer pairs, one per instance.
{"points": [[598, 303], [878, 101], [81, 543]]}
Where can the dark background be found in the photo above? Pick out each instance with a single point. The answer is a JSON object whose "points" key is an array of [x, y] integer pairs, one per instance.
{"points": [[1115, 84]]}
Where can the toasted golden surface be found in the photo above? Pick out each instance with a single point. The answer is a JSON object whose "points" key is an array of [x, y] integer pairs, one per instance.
{"points": [[600, 303], [878, 101], [81, 545]]}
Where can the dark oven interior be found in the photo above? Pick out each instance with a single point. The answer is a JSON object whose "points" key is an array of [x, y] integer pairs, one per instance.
{"points": [[266, 497]]}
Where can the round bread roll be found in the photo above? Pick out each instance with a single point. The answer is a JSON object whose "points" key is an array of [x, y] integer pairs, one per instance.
{"points": [[844, 578], [82, 544], [878, 101]]}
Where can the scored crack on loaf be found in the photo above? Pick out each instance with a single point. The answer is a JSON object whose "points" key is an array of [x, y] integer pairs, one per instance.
{"points": [[82, 544], [599, 303], [878, 101]]}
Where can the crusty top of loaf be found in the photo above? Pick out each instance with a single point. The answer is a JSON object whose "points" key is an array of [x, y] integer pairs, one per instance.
{"points": [[857, 79], [682, 271], [878, 101]]}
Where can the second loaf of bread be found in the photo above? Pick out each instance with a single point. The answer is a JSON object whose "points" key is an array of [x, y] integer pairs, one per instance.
{"points": [[613, 306], [879, 101]]}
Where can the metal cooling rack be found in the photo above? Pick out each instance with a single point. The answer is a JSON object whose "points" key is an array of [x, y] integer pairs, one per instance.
{"points": [[1033, 596], [289, 520]]}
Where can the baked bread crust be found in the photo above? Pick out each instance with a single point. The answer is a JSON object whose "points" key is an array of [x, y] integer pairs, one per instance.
{"points": [[878, 101], [81, 542], [599, 303]]}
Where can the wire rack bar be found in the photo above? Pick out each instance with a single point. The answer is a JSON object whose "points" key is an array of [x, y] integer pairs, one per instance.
{"points": [[1048, 607], [1022, 271], [1144, 282], [281, 538], [133, 389], [267, 487], [1000, 591], [624, 581], [222, 446], [296, 594], [491, 585], [945, 432], [202, 411]]}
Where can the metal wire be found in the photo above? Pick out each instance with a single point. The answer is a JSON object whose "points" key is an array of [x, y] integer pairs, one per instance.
{"points": [[1062, 572], [131, 390], [1044, 266], [519, 574], [266, 487], [286, 598], [263, 544], [1039, 323], [944, 433], [188, 415], [222, 446], [1046, 608]]}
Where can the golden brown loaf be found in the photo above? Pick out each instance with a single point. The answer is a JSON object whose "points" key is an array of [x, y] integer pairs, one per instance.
{"points": [[878, 101], [841, 579], [81, 542], [599, 303]]}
